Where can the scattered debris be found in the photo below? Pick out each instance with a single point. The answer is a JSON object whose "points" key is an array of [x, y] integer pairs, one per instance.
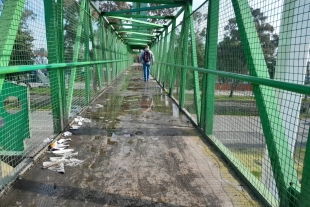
{"points": [[86, 120], [59, 148], [67, 134], [127, 135], [50, 164], [62, 151], [62, 141], [72, 162], [75, 127], [56, 167], [99, 106], [56, 146], [78, 119], [112, 141], [47, 140]]}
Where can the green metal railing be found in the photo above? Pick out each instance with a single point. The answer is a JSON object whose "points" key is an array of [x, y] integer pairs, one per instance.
{"points": [[240, 75], [239, 69], [56, 57]]}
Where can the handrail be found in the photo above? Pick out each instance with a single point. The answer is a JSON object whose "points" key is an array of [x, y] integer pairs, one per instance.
{"points": [[24, 68], [293, 87]]}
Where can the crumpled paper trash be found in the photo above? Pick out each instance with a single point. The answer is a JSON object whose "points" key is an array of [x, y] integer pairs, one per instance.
{"points": [[86, 120], [99, 106], [62, 141], [67, 134]]}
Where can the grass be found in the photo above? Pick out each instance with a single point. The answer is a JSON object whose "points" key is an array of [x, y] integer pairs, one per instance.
{"points": [[47, 91], [299, 156], [306, 100], [252, 159], [234, 98], [40, 91], [304, 116]]}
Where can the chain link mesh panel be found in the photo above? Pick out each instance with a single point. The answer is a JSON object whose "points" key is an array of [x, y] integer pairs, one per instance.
{"points": [[262, 130], [27, 109]]}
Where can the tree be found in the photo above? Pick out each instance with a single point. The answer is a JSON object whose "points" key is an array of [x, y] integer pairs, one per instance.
{"points": [[231, 56], [22, 53], [22, 49], [160, 12], [71, 18], [108, 6]]}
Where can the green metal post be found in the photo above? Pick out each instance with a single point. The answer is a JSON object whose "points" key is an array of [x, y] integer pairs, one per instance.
{"points": [[159, 54], [207, 109], [61, 56], [305, 181], [185, 52], [277, 143], [9, 20], [113, 46], [164, 59], [86, 53], [108, 52], [97, 68], [116, 56], [53, 56], [194, 63], [102, 47], [172, 56], [179, 52], [76, 54]]}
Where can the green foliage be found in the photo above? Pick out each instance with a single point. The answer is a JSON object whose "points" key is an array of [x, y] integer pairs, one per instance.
{"points": [[71, 18], [161, 12], [231, 57], [22, 49], [22, 53], [108, 6]]}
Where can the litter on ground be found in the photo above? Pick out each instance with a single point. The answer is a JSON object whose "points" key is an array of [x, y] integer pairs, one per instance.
{"points": [[67, 133], [99, 106], [86, 120], [62, 151]]}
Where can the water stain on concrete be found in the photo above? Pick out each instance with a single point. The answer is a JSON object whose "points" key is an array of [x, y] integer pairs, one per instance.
{"points": [[165, 163]]}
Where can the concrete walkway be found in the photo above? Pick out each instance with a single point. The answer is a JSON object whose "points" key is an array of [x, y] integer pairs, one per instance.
{"points": [[139, 150]]}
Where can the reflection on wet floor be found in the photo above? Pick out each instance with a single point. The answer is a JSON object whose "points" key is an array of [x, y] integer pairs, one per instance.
{"points": [[126, 100], [138, 150]]}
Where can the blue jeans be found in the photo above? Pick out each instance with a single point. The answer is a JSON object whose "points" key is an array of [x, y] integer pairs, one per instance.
{"points": [[146, 71]]}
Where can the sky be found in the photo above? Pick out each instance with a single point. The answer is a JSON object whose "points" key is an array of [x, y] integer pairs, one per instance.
{"points": [[197, 3], [268, 6]]}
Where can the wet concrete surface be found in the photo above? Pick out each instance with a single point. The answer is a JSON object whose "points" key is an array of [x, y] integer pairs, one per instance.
{"points": [[139, 150]]}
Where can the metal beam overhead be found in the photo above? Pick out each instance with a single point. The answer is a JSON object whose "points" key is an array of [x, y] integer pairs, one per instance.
{"points": [[158, 1], [138, 21], [142, 16], [141, 9]]}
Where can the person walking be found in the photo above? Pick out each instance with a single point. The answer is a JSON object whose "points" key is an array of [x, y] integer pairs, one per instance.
{"points": [[147, 59]]}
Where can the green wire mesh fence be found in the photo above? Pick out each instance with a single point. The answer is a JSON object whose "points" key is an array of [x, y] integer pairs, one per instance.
{"points": [[263, 131], [33, 108], [222, 64]]}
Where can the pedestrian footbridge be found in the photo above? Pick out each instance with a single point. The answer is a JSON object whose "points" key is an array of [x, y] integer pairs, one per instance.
{"points": [[223, 121]]}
